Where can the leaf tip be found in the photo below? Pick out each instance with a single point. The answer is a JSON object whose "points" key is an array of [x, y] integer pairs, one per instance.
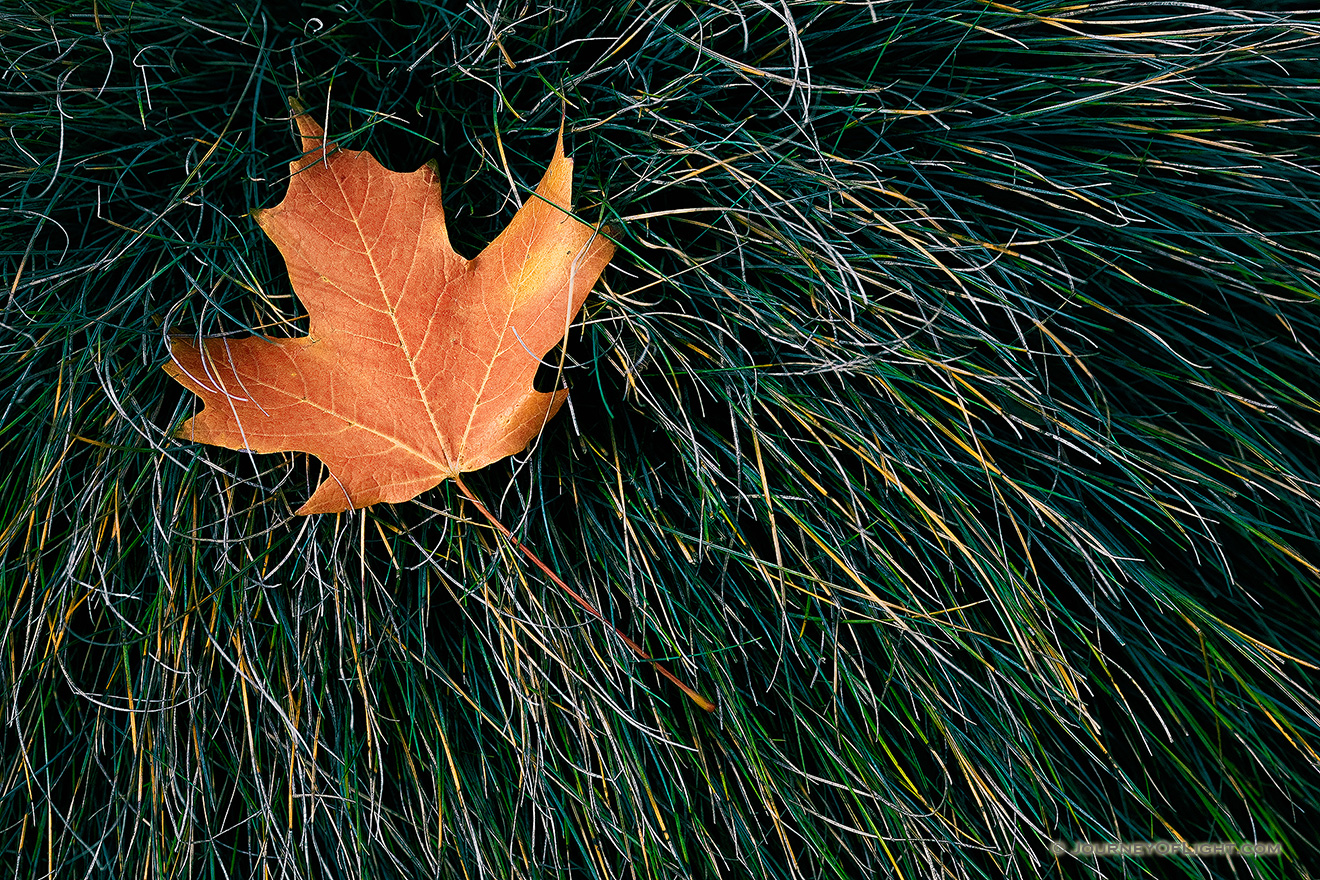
{"points": [[331, 496], [559, 142], [184, 431], [314, 142]]}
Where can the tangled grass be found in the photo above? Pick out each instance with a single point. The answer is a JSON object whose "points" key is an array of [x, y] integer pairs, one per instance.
{"points": [[949, 416]]}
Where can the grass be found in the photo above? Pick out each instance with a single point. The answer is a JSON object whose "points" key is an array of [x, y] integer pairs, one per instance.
{"points": [[948, 416]]}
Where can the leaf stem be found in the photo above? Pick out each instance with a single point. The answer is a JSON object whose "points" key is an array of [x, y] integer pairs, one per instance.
{"points": [[590, 609]]}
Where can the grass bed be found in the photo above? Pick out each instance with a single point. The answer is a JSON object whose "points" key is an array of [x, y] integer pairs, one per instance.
{"points": [[948, 415]]}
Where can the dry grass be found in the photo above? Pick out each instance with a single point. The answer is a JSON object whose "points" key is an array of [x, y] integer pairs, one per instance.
{"points": [[949, 415]]}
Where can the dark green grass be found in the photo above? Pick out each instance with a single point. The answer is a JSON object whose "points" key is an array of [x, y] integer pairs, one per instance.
{"points": [[948, 415]]}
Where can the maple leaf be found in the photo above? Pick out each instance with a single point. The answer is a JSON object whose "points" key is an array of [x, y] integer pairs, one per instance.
{"points": [[418, 364]]}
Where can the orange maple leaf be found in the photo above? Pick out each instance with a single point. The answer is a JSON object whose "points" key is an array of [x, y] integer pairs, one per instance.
{"points": [[418, 364]]}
